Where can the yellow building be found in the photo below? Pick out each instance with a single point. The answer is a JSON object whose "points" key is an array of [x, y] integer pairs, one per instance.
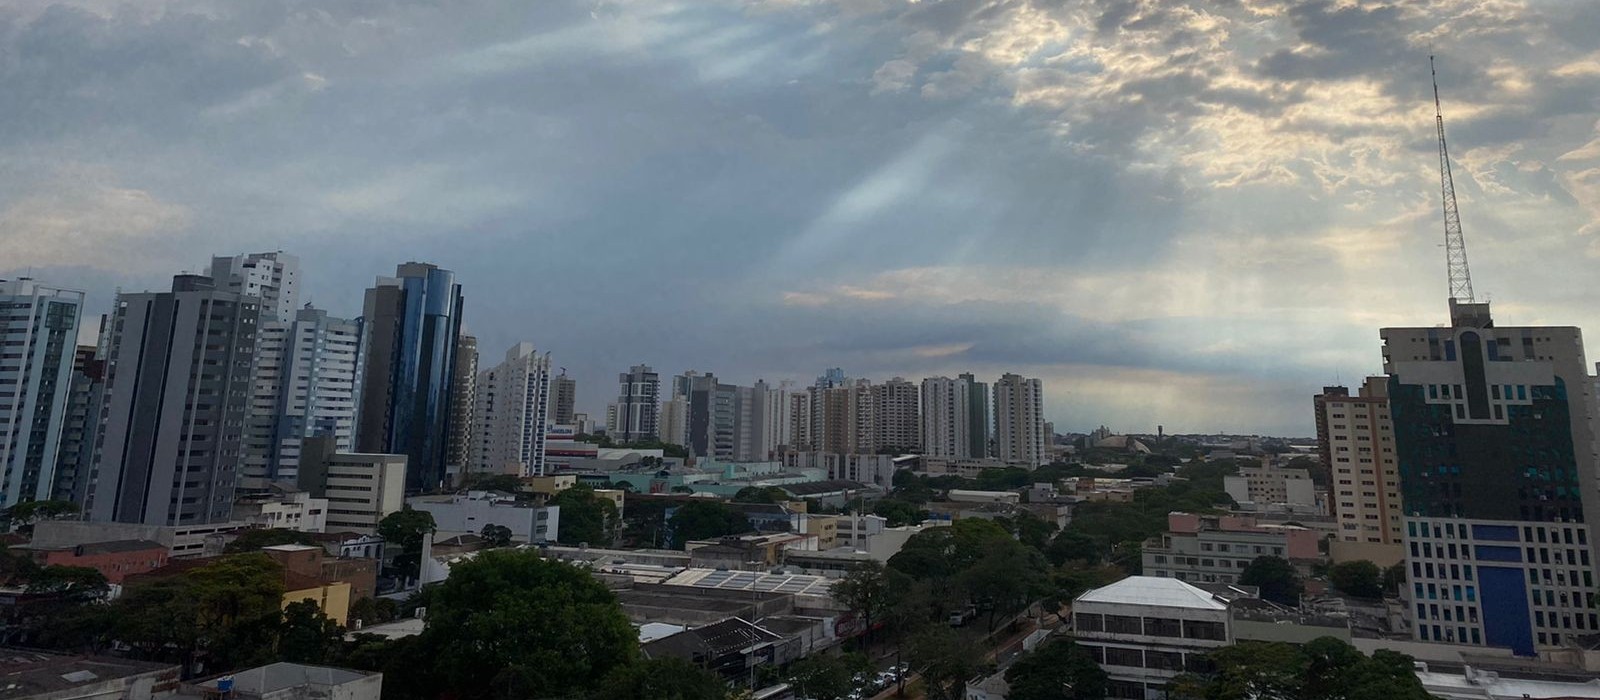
{"points": [[332, 598]]}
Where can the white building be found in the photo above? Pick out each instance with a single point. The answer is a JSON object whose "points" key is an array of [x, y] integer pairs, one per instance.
{"points": [[1264, 487], [458, 514], [38, 334], [946, 417], [1145, 631], [272, 277], [872, 470], [1019, 420], [306, 381], [361, 489], [293, 510], [675, 421], [512, 413]]}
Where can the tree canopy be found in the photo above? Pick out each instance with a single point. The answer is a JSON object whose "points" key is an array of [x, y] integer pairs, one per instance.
{"points": [[586, 518], [404, 530], [1276, 578], [706, 519], [508, 624], [1057, 670], [1323, 669], [662, 679], [1358, 579]]}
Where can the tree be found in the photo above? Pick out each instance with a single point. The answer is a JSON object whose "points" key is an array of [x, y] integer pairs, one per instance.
{"points": [[945, 661], [1057, 670], [1276, 578], [373, 611], [496, 535], [704, 520], [1323, 669], [827, 677], [482, 481], [1393, 578], [586, 518], [225, 612], [1358, 579], [306, 636], [405, 530], [899, 512], [1071, 545], [255, 540], [1030, 529], [864, 591], [667, 678], [22, 516], [508, 624]]}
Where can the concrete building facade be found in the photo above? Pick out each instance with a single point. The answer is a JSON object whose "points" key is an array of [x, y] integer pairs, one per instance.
{"points": [[1019, 420], [1144, 631], [38, 339], [563, 398], [638, 404], [274, 278], [361, 489], [1355, 440], [896, 419], [1217, 549], [306, 381], [75, 459], [463, 404], [512, 414], [178, 369], [946, 418], [468, 514], [980, 429]]}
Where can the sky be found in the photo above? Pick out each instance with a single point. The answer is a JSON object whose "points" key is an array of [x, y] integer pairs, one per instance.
{"points": [[1188, 214]]}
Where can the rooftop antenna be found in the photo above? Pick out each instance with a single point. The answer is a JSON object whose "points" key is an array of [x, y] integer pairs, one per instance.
{"points": [[1455, 247]]}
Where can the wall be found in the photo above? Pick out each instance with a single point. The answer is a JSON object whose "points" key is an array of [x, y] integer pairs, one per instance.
{"points": [[334, 599]]}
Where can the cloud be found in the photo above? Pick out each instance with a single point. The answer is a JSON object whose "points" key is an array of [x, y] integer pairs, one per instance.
{"points": [[1184, 212]]}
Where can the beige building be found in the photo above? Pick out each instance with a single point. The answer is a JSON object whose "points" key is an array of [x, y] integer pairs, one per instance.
{"points": [[895, 417], [360, 488], [1019, 420], [1355, 437], [1265, 487]]}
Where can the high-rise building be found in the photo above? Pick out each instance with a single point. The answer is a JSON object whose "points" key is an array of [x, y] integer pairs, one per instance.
{"points": [[638, 404], [843, 418], [307, 380], [413, 321], [271, 277], [980, 428], [563, 399], [1355, 440], [800, 403], [463, 404], [38, 336], [1019, 420], [772, 419], [817, 411], [896, 422], [76, 459], [712, 413], [945, 418], [178, 368], [512, 414], [675, 421], [1494, 440]]}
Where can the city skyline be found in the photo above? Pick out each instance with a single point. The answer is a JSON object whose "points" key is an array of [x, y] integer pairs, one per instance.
{"points": [[906, 190]]}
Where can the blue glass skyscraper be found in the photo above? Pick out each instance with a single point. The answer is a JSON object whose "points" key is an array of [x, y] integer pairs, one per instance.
{"points": [[414, 319]]}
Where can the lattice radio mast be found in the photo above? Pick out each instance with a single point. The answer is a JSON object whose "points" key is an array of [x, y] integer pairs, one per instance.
{"points": [[1455, 246]]}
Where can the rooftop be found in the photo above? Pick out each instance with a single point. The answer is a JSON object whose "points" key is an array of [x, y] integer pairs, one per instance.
{"points": [[29, 674], [797, 584], [1154, 591], [821, 487], [274, 677]]}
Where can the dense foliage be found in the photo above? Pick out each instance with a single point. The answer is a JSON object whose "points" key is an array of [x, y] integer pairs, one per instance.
{"points": [[586, 518], [1057, 670], [1276, 578], [403, 532], [1324, 669], [706, 519]]}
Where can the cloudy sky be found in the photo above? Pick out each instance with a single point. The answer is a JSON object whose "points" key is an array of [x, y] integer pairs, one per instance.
{"points": [[1185, 213]]}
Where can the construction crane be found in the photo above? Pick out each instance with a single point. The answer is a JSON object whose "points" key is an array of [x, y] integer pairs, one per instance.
{"points": [[1455, 246]]}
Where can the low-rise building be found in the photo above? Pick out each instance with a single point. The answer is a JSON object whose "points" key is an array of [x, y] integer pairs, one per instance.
{"points": [[361, 488], [290, 681], [36, 675], [181, 541], [282, 506], [1265, 487], [872, 469], [1217, 549], [965, 467], [1144, 631], [115, 560], [468, 513], [732, 648]]}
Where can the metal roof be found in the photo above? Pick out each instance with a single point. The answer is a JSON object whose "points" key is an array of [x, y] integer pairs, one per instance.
{"points": [[1154, 591]]}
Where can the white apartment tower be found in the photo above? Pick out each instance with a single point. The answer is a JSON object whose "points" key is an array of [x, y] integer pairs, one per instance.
{"points": [[1019, 420], [306, 382], [38, 337], [272, 277], [945, 418], [513, 400]]}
